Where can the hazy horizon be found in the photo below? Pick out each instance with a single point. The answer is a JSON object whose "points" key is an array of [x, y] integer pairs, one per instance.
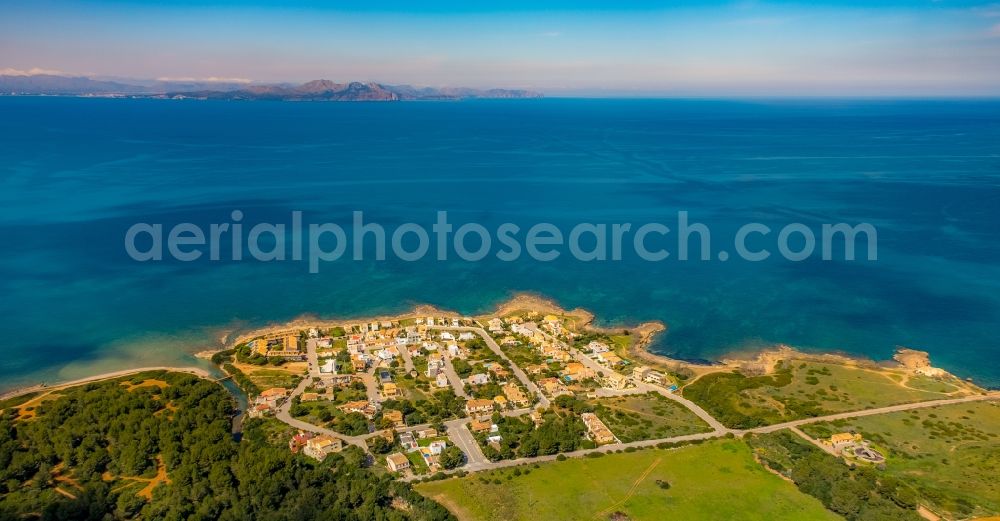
{"points": [[633, 49]]}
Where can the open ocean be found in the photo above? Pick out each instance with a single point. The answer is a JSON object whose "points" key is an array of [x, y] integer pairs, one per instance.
{"points": [[77, 173]]}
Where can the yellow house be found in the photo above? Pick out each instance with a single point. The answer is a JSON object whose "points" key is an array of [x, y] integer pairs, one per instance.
{"points": [[394, 416], [390, 390], [515, 395], [843, 437], [397, 462], [577, 371], [611, 359], [480, 425], [277, 344], [274, 393], [478, 407], [322, 446]]}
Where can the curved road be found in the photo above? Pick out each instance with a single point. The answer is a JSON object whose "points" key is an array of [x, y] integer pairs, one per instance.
{"points": [[521, 376], [476, 461], [475, 467], [283, 415]]}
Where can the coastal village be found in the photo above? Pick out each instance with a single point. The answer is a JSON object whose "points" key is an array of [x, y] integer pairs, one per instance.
{"points": [[431, 394], [456, 404]]}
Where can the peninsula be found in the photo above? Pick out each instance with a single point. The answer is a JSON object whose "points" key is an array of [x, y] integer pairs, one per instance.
{"points": [[481, 414], [316, 90]]}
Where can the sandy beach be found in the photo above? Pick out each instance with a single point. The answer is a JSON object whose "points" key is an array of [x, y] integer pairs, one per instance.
{"points": [[197, 371], [761, 360]]}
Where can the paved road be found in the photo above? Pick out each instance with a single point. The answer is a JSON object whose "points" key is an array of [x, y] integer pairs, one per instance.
{"points": [[871, 412], [822, 446], [371, 386], [643, 386], [489, 465], [460, 436], [312, 357], [528, 384], [453, 378], [404, 352], [283, 415], [717, 433], [693, 407]]}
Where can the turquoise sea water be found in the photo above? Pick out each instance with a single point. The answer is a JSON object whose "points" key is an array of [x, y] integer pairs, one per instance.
{"points": [[76, 173]]}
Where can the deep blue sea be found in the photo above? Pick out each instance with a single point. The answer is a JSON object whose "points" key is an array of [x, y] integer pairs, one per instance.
{"points": [[77, 173]]}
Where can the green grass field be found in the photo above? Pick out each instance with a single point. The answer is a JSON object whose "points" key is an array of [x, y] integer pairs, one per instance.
{"points": [[647, 416], [714, 480], [840, 388], [806, 389], [950, 454], [268, 378]]}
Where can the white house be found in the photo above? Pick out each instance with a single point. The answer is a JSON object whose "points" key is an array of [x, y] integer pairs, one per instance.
{"points": [[407, 441], [437, 446], [479, 379], [466, 335], [495, 325], [598, 347], [521, 329]]}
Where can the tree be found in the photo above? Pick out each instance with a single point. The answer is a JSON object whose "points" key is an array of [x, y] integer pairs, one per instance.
{"points": [[462, 367], [491, 453], [452, 457], [379, 445]]}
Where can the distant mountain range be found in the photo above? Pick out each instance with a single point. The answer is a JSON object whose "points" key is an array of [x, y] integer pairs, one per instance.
{"points": [[316, 90]]}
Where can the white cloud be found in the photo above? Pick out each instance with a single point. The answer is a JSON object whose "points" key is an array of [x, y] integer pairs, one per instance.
{"points": [[35, 71], [210, 79]]}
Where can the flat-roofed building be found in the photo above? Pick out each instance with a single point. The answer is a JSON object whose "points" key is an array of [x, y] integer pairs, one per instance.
{"points": [[596, 430]]}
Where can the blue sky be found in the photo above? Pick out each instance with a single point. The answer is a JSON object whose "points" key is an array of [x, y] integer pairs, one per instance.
{"points": [[587, 47]]}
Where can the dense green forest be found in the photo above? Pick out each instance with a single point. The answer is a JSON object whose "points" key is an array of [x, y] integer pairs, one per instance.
{"points": [[94, 452]]}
